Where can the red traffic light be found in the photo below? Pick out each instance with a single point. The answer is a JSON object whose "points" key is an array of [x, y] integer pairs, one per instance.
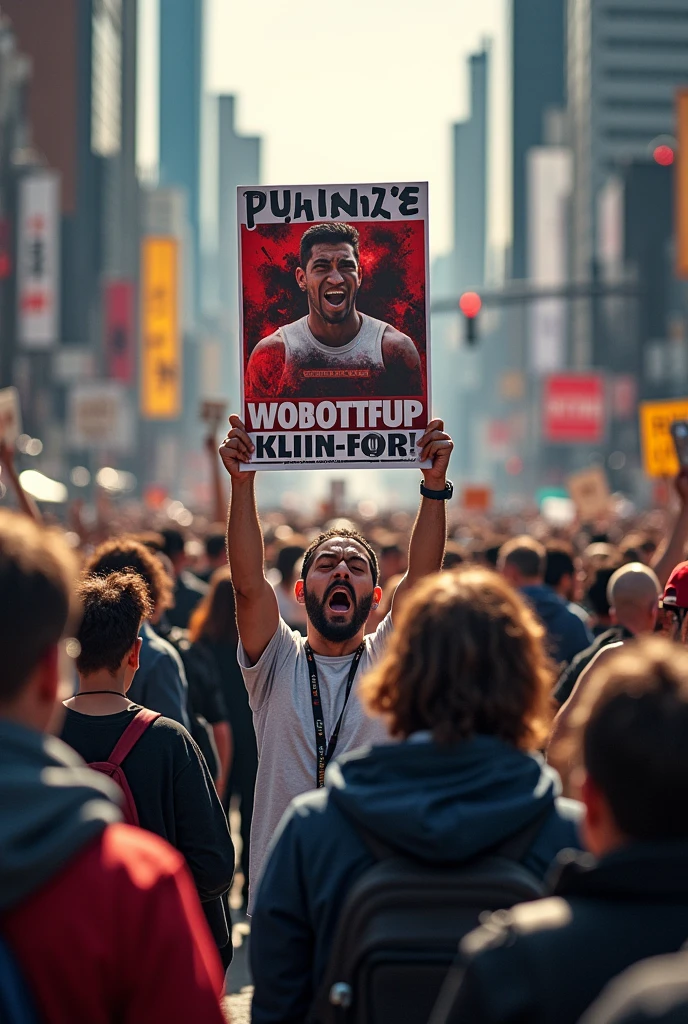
{"points": [[664, 155], [470, 304]]}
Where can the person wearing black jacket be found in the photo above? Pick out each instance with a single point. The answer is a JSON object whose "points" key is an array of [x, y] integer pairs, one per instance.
{"points": [[466, 686], [168, 777], [545, 962]]}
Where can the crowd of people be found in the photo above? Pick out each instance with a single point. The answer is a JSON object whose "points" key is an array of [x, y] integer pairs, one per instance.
{"points": [[445, 716]]}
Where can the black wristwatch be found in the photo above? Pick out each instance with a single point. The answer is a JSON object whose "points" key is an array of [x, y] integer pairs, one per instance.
{"points": [[444, 495]]}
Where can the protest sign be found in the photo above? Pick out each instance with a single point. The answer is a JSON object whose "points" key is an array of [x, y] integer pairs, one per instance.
{"points": [[589, 490], [659, 453], [335, 324], [100, 418], [476, 498], [10, 416], [213, 413]]}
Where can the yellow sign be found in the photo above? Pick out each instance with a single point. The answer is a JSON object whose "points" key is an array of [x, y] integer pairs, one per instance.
{"points": [[659, 454], [682, 184], [161, 356]]}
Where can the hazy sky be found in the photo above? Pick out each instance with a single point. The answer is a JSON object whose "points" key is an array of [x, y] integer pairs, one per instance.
{"points": [[366, 91]]}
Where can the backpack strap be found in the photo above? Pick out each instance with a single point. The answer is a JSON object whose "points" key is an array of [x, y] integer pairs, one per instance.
{"points": [[132, 734]]}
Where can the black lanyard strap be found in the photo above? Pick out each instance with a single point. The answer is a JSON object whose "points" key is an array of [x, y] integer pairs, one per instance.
{"points": [[325, 750]]}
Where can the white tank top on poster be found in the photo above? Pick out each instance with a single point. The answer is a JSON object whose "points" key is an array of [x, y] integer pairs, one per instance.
{"points": [[303, 350]]}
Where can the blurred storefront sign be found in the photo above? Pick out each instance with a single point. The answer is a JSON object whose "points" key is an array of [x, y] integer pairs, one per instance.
{"points": [[38, 260], [573, 408], [119, 330], [10, 416], [73, 363], [476, 498], [100, 418], [589, 491], [161, 347], [550, 181], [659, 453]]}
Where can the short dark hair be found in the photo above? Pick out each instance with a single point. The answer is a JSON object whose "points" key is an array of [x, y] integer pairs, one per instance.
{"points": [[347, 534], [37, 572], [526, 554], [215, 544], [126, 553], [287, 557], [558, 563], [596, 594], [173, 542], [634, 741], [335, 232], [114, 607]]}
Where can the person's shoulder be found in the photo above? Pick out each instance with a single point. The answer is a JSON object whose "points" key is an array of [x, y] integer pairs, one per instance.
{"points": [[190, 581], [158, 647], [272, 344], [133, 852], [395, 342]]}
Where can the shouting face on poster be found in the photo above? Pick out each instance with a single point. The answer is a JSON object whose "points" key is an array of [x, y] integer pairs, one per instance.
{"points": [[335, 349], [334, 324]]}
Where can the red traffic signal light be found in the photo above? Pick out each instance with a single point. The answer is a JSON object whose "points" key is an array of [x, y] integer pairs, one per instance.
{"points": [[663, 155], [470, 304]]}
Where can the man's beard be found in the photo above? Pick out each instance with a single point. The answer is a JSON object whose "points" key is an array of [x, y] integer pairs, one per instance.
{"points": [[337, 632]]}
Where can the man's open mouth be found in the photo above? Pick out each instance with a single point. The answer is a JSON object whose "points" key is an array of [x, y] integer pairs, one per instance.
{"points": [[339, 601], [335, 297]]}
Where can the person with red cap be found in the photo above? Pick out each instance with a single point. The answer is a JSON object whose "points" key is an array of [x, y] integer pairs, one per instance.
{"points": [[674, 603]]}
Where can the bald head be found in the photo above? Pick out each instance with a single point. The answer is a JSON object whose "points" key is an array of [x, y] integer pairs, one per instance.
{"points": [[633, 593]]}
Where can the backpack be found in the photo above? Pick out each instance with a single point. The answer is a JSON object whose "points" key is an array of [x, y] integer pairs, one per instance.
{"points": [[401, 924], [16, 1005], [113, 766]]}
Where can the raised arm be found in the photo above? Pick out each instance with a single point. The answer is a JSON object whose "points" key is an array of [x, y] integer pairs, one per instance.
{"points": [[429, 534], [256, 604], [26, 502], [673, 550]]}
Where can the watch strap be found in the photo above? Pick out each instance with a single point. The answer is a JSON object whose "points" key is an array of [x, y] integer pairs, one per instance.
{"points": [[444, 495]]}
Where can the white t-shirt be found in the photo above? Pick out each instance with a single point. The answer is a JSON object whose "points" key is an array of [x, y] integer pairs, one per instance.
{"points": [[279, 693]]}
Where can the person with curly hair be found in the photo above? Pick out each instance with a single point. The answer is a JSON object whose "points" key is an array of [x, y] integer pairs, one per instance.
{"points": [[160, 682], [465, 687]]}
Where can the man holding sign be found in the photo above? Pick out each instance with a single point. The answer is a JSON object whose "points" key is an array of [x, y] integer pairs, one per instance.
{"points": [[302, 689]]}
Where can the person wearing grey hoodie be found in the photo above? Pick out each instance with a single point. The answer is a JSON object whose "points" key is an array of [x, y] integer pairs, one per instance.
{"points": [[100, 921], [465, 685]]}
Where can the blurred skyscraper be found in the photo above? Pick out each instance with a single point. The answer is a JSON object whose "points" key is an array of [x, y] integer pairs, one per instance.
{"points": [[181, 83], [470, 180], [626, 59], [538, 69], [82, 107], [239, 164]]}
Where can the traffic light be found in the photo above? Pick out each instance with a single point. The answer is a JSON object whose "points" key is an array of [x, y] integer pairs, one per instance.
{"points": [[470, 305]]}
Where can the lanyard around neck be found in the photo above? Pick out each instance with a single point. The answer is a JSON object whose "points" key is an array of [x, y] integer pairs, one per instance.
{"points": [[325, 750]]}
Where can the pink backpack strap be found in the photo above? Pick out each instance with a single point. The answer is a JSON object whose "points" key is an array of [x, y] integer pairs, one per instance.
{"points": [[132, 734]]}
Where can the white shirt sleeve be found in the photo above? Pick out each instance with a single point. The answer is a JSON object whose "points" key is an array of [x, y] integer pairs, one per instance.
{"points": [[275, 659], [377, 641]]}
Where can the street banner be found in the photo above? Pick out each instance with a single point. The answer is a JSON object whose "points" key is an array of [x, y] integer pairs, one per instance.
{"points": [[476, 498], [659, 453], [10, 416], [573, 408], [589, 491], [100, 418], [161, 391], [119, 330], [335, 324], [681, 204], [38, 260]]}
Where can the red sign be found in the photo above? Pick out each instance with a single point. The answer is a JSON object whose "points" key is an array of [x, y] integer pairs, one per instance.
{"points": [[573, 409], [119, 330]]}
